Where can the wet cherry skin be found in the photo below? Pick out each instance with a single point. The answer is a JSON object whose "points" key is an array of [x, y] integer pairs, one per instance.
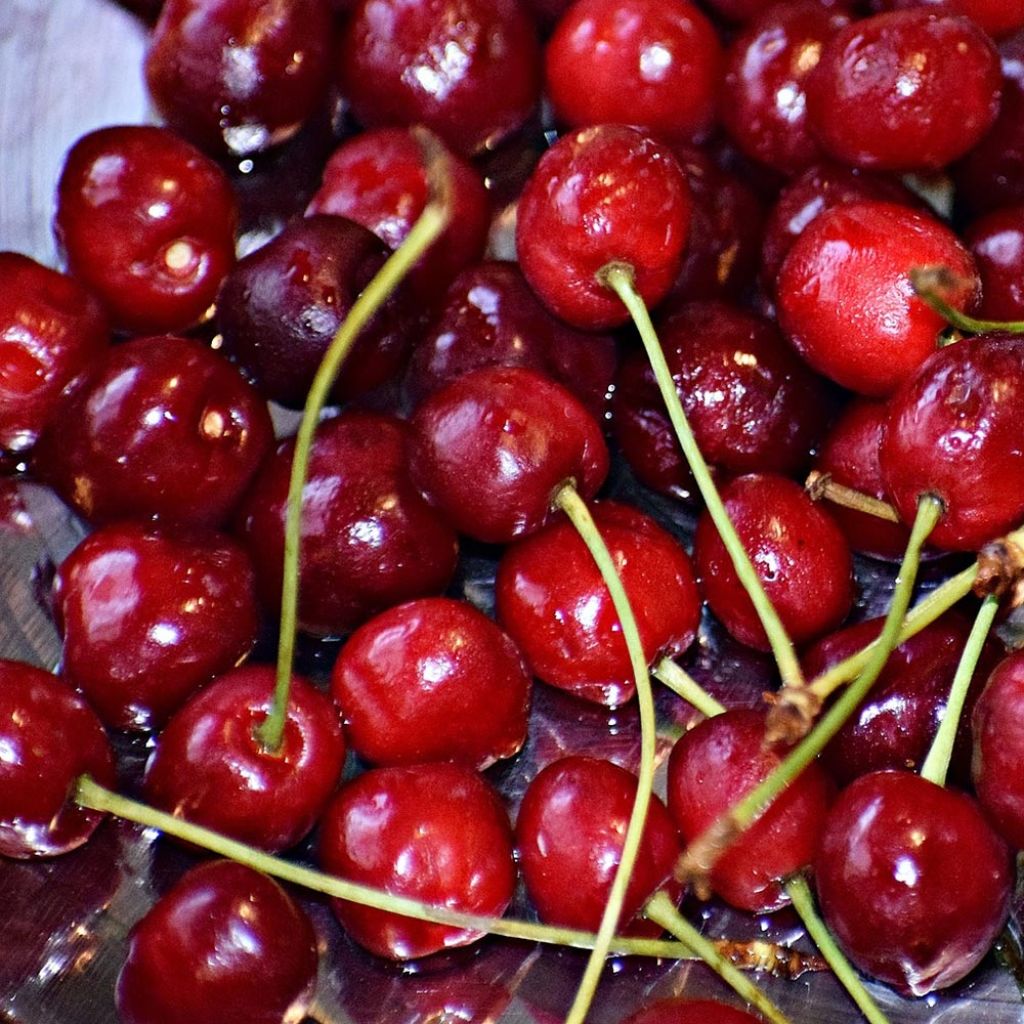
{"points": [[678, 1010], [225, 945], [491, 449], [996, 241], [50, 737], [149, 615], [432, 680], [569, 837], [146, 222], [912, 881], [435, 832]]}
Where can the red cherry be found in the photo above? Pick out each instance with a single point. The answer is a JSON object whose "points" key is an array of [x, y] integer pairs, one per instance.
{"points": [[225, 945], [491, 449], [678, 1010], [996, 17], [49, 737], [912, 881], [435, 832], [432, 680], [148, 616], [996, 242], [569, 835], [148, 224], [601, 195]]}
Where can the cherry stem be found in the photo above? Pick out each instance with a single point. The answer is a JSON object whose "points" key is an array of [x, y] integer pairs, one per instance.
{"points": [[659, 909], [936, 764], [568, 500], [619, 277], [431, 223], [821, 485], [680, 682], [931, 282]]}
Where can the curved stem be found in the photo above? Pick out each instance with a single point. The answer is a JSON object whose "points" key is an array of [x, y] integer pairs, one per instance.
{"points": [[821, 485], [619, 278], [929, 284], [424, 233], [680, 682], [568, 500]]}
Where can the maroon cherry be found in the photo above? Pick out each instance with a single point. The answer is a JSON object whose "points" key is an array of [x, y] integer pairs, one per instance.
{"points": [[569, 836], [49, 737], [51, 331], [226, 945], [912, 881], [432, 680], [433, 832], [678, 1010], [149, 615], [148, 224], [491, 449], [210, 768], [165, 428], [996, 242]]}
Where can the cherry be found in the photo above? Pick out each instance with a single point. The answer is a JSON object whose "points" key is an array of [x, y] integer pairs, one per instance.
{"points": [[912, 880], [148, 224], [798, 552], [49, 736], [678, 1010], [467, 69], [656, 64], [550, 597], [491, 449], [163, 428], [845, 299], [996, 241], [903, 91], [954, 431], [225, 944], [569, 837], [149, 615], [436, 832], [996, 17], [368, 539], [209, 767], [598, 196], [51, 330], [432, 680]]}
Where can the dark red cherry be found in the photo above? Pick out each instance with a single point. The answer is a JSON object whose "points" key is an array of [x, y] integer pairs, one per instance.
{"points": [[912, 881], [601, 195], [368, 539], [996, 242], [954, 431], [377, 179], [678, 1010], [434, 832], [432, 680], [149, 615], [468, 69], [904, 91], [226, 945], [51, 331], [550, 597], [491, 449], [164, 428], [238, 76], [656, 64], [569, 836], [714, 765], [148, 224], [845, 299], [281, 305], [996, 17], [490, 317], [209, 766], [49, 737], [797, 550]]}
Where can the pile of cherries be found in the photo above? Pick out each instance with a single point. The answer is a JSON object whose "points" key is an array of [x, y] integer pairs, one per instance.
{"points": [[821, 201]]}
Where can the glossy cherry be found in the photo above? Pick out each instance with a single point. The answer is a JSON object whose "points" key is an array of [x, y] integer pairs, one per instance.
{"points": [[49, 737], [996, 242], [569, 837], [435, 832], [148, 615], [996, 17], [432, 680], [226, 945], [912, 881], [146, 222], [678, 1010]]}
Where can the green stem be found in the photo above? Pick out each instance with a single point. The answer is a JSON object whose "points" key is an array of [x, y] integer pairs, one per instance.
{"points": [[936, 764], [684, 685], [568, 500], [929, 282], [619, 278], [424, 233]]}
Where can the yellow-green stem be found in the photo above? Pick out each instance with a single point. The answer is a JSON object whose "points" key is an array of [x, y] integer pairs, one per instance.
{"points": [[928, 281], [680, 682]]}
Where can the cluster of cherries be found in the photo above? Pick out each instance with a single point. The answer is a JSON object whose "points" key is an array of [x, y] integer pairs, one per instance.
{"points": [[814, 308]]}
